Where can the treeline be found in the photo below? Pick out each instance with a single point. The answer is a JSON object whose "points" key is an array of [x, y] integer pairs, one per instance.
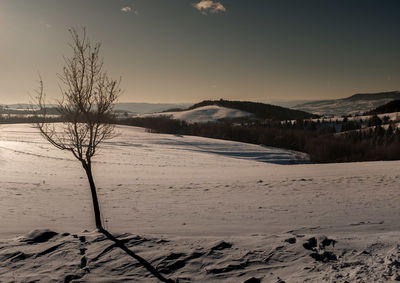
{"points": [[22, 119], [323, 146], [392, 106], [371, 144], [27, 111], [291, 139], [343, 125]]}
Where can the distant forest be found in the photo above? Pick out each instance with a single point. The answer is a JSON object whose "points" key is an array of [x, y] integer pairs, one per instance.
{"points": [[392, 106], [320, 140]]}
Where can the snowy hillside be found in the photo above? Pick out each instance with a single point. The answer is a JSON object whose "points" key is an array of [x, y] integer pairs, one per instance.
{"points": [[355, 104], [340, 107], [142, 108], [200, 210], [203, 114]]}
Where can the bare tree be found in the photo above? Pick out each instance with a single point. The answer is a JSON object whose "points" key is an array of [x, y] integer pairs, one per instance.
{"points": [[86, 108]]}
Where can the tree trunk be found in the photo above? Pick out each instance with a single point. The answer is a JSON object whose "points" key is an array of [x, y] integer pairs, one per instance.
{"points": [[88, 169], [96, 207]]}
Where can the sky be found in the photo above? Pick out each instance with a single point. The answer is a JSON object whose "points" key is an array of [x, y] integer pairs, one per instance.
{"points": [[183, 51]]}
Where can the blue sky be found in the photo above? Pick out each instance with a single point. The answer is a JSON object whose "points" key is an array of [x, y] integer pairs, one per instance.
{"points": [[190, 50]]}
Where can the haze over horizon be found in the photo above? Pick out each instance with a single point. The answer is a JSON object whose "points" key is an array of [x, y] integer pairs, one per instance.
{"points": [[184, 51]]}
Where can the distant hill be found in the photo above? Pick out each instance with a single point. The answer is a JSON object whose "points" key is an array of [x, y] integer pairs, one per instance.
{"points": [[287, 103], [374, 96], [355, 104], [144, 108], [259, 110], [203, 114], [392, 106], [130, 107]]}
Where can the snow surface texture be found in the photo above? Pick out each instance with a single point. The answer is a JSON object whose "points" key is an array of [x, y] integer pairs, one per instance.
{"points": [[197, 214], [211, 113]]}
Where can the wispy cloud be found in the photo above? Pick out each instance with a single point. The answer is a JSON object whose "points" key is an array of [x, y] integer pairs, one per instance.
{"points": [[209, 6], [128, 9], [45, 24]]}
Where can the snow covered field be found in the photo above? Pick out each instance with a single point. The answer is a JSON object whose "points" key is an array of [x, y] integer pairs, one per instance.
{"points": [[199, 209]]}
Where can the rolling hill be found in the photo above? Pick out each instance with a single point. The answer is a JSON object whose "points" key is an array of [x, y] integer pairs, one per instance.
{"points": [[216, 110], [203, 114], [143, 108], [355, 104], [258, 109]]}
